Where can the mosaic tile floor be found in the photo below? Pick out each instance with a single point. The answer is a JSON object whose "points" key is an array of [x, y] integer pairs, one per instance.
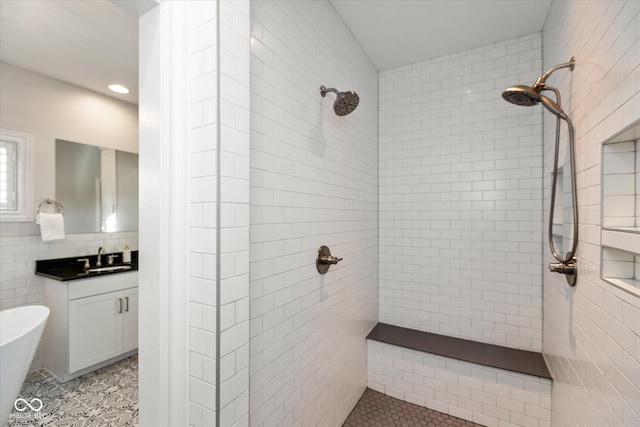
{"points": [[106, 397], [378, 410]]}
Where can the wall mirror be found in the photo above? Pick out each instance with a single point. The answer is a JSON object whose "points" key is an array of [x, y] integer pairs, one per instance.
{"points": [[98, 188]]}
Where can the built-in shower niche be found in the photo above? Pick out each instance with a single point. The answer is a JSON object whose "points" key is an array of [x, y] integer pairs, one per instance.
{"points": [[621, 210]]}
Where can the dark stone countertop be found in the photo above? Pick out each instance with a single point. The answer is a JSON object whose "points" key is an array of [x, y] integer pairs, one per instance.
{"points": [[66, 269]]}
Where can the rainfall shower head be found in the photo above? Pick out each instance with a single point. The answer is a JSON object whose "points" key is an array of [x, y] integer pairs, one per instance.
{"points": [[345, 102]]}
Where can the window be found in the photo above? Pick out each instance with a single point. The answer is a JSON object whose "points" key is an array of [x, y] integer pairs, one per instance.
{"points": [[15, 183]]}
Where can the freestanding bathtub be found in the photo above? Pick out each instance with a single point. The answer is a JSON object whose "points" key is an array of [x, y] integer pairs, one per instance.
{"points": [[20, 332]]}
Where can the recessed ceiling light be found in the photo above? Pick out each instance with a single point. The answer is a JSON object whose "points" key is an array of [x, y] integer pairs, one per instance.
{"points": [[119, 88]]}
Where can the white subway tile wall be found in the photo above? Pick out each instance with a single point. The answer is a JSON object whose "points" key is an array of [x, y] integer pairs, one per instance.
{"points": [[591, 332], [18, 283], [203, 176], [234, 212], [482, 394], [460, 196], [313, 182]]}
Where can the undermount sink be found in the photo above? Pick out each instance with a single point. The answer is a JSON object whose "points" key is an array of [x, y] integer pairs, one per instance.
{"points": [[108, 268]]}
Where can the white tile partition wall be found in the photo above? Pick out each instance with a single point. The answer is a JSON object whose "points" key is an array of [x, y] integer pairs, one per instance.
{"points": [[488, 396], [591, 332], [460, 196], [203, 199], [219, 146], [313, 182], [234, 212]]}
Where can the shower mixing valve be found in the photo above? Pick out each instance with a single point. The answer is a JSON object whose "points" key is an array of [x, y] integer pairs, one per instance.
{"points": [[324, 259], [569, 269]]}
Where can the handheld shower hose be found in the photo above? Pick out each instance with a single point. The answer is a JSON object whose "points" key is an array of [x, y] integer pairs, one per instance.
{"points": [[532, 95]]}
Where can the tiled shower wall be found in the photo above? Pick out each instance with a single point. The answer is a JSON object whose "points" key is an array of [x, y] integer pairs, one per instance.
{"points": [[591, 332], [460, 196], [313, 182]]}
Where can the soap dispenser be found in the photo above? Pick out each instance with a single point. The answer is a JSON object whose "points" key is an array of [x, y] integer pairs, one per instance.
{"points": [[126, 255]]}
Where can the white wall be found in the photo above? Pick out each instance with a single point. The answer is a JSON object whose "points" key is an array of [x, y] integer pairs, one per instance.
{"points": [[460, 196], [591, 332], [50, 109], [313, 182]]}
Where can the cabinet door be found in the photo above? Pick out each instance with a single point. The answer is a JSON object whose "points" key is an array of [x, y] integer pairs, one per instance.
{"points": [[95, 329], [130, 324]]}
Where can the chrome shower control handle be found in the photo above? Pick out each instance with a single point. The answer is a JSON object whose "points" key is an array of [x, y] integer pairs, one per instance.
{"points": [[569, 269], [328, 259], [324, 259]]}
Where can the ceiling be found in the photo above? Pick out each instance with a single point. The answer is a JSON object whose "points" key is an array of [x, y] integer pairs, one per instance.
{"points": [[94, 43], [401, 32], [88, 43]]}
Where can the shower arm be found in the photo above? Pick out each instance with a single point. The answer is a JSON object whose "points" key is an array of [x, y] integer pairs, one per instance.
{"points": [[324, 90], [541, 82]]}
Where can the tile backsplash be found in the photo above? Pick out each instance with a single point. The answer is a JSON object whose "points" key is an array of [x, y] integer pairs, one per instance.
{"points": [[18, 283]]}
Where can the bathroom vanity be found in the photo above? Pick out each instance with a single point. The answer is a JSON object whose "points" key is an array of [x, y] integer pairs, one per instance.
{"points": [[94, 315]]}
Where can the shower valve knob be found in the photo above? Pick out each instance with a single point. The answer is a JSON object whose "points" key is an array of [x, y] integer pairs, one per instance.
{"points": [[324, 259], [569, 269]]}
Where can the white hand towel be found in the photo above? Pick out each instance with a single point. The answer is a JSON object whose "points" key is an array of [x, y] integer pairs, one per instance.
{"points": [[51, 226]]}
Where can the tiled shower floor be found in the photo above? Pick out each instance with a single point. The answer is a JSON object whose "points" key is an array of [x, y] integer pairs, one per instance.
{"points": [[378, 410], [106, 397]]}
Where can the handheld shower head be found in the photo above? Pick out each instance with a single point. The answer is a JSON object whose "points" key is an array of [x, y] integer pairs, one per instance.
{"points": [[529, 96], [532, 95], [345, 102], [521, 95]]}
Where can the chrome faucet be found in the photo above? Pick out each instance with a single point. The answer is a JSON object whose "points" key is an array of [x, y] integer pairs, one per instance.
{"points": [[100, 253]]}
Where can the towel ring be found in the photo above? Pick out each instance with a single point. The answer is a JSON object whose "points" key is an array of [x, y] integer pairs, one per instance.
{"points": [[57, 205]]}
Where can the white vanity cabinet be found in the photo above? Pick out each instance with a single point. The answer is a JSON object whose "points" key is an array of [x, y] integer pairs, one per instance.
{"points": [[93, 322]]}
